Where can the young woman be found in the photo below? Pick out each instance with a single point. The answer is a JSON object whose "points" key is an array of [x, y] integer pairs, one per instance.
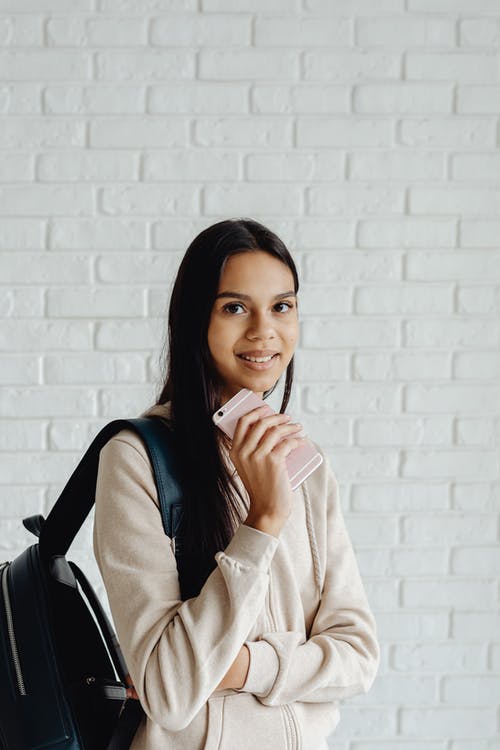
{"points": [[273, 628]]}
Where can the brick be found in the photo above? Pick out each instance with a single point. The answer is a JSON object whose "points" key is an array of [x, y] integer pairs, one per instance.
{"points": [[148, 200], [403, 299], [350, 267], [33, 65], [479, 32], [399, 498], [90, 166], [452, 332], [459, 464], [299, 98], [50, 6], [317, 300], [94, 368], [453, 397], [22, 434], [277, 199], [198, 30], [17, 168], [76, 302], [303, 32], [141, 267], [47, 335], [478, 99], [38, 268], [46, 401], [350, 132], [469, 497], [477, 561], [408, 365], [360, 201], [294, 167], [478, 233], [461, 132], [98, 32], [469, 167], [21, 303], [482, 300], [248, 132], [459, 265], [144, 64], [476, 432], [198, 98], [98, 234], [136, 132], [34, 133], [405, 98], [462, 67], [20, 98], [405, 31], [349, 398], [21, 31], [252, 64], [177, 234], [19, 369], [182, 166], [19, 502], [482, 624], [326, 366], [238, 6], [147, 6], [453, 6], [365, 332], [393, 432], [439, 657], [129, 335], [351, 67], [100, 99], [472, 365], [313, 233], [407, 232], [452, 722], [115, 402], [345, 7]]}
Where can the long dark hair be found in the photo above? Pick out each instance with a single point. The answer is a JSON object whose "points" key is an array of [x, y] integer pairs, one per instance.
{"points": [[192, 385]]}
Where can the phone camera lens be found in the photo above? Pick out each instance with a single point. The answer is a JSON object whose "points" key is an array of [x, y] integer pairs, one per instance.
{"points": [[220, 413]]}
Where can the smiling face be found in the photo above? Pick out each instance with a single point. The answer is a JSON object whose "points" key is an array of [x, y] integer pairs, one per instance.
{"points": [[255, 312]]}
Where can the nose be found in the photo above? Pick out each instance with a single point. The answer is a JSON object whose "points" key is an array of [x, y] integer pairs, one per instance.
{"points": [[260, 327]]}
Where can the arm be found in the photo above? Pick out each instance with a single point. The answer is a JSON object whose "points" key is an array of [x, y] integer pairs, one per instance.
{"points": [[176, 652], [341, 657]]}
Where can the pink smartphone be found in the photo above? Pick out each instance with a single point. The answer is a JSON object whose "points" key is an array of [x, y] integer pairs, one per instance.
{"points": [[299, 463]]}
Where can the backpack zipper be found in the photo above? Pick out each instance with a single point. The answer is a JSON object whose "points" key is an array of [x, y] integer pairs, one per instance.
{"points": [[10, 630]]}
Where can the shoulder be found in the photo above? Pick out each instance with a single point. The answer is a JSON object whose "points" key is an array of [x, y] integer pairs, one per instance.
{"points": [[124, 465], [322, 486]]}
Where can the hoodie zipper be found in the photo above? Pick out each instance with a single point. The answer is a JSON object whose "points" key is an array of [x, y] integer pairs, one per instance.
{"points": [[10, 630], [289, 714]]}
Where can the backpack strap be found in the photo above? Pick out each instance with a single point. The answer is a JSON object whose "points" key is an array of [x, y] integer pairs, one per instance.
{"points": [[75, 502]]}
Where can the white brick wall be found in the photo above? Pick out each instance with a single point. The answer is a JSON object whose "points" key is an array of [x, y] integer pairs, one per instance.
{"points": [[365, 133]]}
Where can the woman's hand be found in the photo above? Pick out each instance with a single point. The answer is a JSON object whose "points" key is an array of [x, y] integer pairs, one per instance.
{"points": [[261, 443], [236, 675]]}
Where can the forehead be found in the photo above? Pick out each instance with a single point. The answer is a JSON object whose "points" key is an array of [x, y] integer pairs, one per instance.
{"points": [[256, 270]]}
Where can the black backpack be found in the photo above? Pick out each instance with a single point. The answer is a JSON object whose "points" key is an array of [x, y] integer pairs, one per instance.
{"points": [[62, 674]]}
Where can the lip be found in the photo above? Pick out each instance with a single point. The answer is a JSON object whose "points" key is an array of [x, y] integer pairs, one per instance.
{"points": [[259, 365], [258, 353]]}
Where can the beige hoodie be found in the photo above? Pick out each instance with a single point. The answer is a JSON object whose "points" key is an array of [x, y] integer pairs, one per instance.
{"points": [[297, 601]]}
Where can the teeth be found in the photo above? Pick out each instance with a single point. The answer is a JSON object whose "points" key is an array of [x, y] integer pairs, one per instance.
{"points": [[257, 359]]}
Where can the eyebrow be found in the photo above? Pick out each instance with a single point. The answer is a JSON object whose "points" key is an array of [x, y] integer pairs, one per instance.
{"points": [[239, 295]]}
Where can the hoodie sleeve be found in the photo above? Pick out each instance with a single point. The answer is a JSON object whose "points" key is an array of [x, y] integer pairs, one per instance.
{"points": [[176, 652], [341, 656]]}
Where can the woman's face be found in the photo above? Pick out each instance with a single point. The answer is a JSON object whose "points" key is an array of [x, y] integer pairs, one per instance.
{"points": [[255, 312]]}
